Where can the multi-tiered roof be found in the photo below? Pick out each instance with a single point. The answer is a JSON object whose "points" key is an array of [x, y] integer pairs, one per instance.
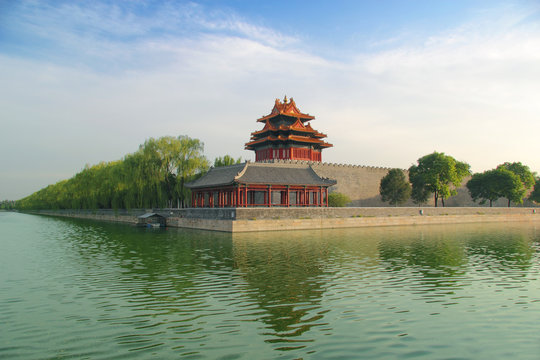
{"points": [[287, 134]]}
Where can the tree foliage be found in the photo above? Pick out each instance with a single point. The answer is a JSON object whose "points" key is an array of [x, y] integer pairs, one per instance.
{"points": [[394, 187], [7, 205], [525, 176], [436, 174], [153, 176], [523, 171], [494, 184], [226, 161], [535, 194], [337, 199]]}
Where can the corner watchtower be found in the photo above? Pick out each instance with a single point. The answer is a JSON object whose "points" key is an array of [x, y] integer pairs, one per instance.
{"points": [[287, 134]]}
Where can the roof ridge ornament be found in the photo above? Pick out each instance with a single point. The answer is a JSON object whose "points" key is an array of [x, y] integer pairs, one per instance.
{"points": [[241, 172]]}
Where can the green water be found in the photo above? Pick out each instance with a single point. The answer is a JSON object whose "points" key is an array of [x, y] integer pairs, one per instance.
{"points": [[90, 290]]}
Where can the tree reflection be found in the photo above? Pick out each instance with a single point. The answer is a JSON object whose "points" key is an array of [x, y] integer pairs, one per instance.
{"points": [[434, 255], [502, 250], [142, 258]]}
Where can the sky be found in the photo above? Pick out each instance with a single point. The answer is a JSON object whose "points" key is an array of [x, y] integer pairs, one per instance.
{"points": [[388, 81]]}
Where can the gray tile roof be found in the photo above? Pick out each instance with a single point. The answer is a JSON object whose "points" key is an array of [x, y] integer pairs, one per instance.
{"points": [[260, 173], [219, 176], [279, 175], [148, 215]]}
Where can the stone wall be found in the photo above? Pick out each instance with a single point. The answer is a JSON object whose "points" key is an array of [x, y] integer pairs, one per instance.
{"points": [[361, 184], [270, 219]]}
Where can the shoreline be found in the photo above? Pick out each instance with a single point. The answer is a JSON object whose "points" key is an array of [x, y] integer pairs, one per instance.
{"points": [[235, 220]]}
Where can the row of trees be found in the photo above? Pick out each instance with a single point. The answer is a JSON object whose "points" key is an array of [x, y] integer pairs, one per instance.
{"points": [[7, 205], [153, 176], [440, 175]]}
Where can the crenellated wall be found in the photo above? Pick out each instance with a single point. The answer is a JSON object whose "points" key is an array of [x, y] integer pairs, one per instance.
{"points": [[361, 184]]}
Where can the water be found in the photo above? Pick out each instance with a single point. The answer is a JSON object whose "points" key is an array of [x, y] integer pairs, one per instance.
{"points": [[72, 289]]}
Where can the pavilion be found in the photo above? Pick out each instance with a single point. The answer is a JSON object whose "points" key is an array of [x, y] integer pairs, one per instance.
{"points": [[271, 180]]}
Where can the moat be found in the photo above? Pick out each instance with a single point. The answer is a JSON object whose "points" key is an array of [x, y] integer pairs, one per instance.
{"points": [[83, 289]]}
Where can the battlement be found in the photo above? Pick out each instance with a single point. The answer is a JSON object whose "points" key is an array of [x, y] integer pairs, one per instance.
{"points": [[323, 164]]}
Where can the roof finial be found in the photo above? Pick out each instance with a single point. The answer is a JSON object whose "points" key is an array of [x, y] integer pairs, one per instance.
{"points": [[285, 99]]}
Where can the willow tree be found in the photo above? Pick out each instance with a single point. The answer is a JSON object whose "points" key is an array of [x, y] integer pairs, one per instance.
{"points": [[169, 163], [153, 176], [438, 174], [191, 163]]}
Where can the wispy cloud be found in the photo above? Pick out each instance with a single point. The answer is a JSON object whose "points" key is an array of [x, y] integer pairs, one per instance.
{"points": [[101, 35]]}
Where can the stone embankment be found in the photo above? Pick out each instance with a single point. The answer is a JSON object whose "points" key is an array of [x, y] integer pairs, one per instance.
{"points": [[271, 219]]}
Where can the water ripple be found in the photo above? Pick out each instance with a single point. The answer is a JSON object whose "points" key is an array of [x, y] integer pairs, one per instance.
{"points": [[76, 289]]}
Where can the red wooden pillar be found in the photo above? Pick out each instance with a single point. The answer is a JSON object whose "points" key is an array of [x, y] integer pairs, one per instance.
{"points": [[242, 197], [269, 195], [238, 196], [326, 196]]}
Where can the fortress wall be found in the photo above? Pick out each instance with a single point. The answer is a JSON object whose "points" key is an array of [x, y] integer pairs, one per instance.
{"points": [[272, 219], [361, 184]]}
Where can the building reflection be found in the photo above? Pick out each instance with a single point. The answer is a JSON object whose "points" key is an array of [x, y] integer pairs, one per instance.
{"points": [[283, 272]]}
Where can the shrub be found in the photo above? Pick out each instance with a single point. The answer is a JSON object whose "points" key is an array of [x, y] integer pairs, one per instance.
{"points": [[338, 200]]}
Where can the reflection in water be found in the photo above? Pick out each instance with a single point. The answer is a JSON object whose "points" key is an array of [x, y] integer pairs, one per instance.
{"points": [[502, 249], [83, 289], [431, 254], [283, 272]]}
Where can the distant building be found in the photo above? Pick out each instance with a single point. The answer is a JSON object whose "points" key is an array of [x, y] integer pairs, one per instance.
{"points": [[285, 137]]}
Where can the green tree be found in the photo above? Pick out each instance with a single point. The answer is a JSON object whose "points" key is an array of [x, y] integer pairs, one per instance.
{"points": [[7, 205], [192, 164], [535, 194], [394, 187], [226, 161], [525, 176], [523, 171], [153, 176], [336, 199], [511, 187], [438, 174], [494, 184]]}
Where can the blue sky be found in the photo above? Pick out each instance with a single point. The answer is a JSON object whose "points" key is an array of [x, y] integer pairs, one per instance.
{"points": [[388, 81]]}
